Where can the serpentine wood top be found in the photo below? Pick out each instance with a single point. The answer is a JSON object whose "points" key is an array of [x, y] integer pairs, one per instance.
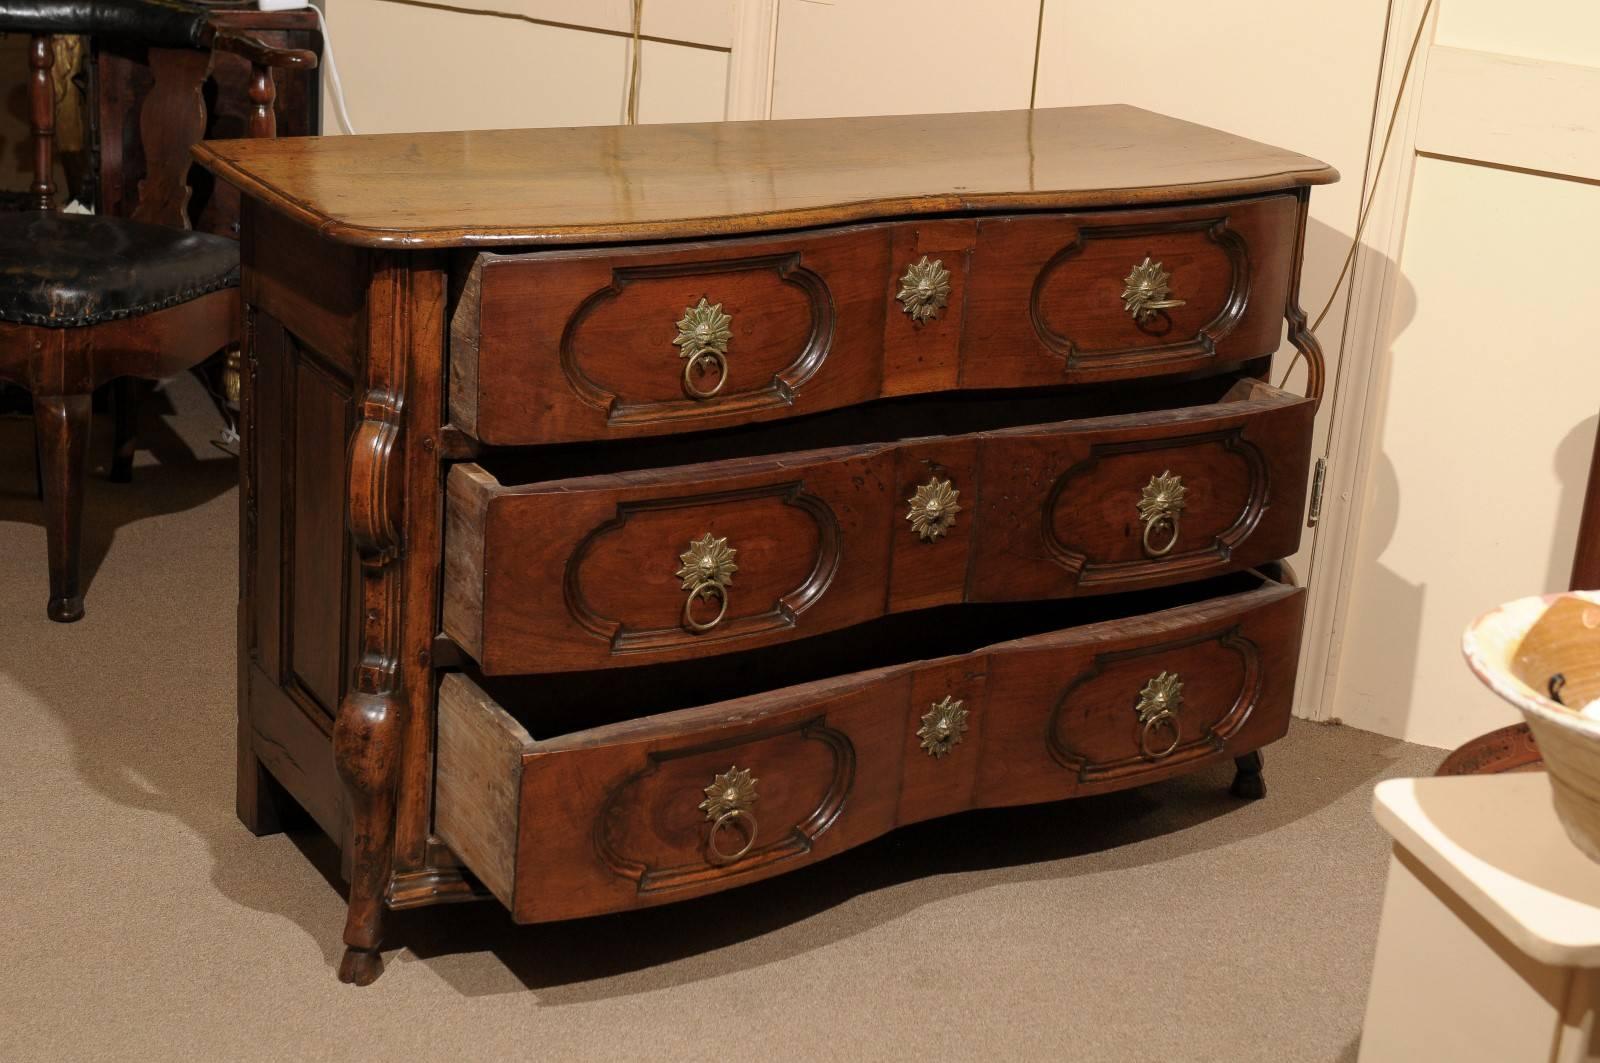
{"points": [[605, 184]]}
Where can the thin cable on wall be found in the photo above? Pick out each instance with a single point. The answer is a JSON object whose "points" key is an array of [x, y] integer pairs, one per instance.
{"points": [[633, 72], [1369, 196]]}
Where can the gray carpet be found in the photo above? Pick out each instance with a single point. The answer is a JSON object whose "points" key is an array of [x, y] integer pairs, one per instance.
{"points": [[143, 922]]}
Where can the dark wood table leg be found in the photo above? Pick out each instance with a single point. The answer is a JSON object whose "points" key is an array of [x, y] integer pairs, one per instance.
{"points": [[1248, 781], [127, 393]]}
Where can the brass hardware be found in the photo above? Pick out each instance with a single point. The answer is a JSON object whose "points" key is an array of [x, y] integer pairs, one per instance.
{"points": [[730, 798], [1318, 480], [933, 509], [232, 380], [1145, 291], [943, 726], [1158, 706], [1161, 506], [925, 290], [706, 571], [703, 335]]}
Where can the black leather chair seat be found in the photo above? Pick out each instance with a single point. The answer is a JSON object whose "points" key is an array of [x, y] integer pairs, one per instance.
{"points": [[166, 23], [71, 270]]}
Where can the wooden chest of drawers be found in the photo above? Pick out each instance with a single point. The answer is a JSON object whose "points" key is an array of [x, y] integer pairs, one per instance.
{"points": [[630, 514]]}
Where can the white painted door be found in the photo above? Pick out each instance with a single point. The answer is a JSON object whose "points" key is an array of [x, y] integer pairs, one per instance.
{"points": [[1473, 405]]}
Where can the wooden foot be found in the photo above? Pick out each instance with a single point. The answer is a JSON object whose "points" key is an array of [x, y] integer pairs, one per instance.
{"points": [[360, 967], [61, 428], [1248, 782], [128, 393], [366, 746]]}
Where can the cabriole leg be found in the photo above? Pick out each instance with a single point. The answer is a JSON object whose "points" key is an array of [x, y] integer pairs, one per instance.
{"points": [[366, 740]]}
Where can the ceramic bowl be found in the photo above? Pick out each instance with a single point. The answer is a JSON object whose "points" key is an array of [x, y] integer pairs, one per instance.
{"points": [[1520, 669]]}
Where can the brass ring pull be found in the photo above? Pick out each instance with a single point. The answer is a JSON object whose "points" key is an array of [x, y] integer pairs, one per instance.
{"points": [[1161, 504], [1171, 524], [706, 589], [706, 570], [1158, 706], [719, 856], [698, 363], [731, 796], [1147, 290], [1151, 723], [1162, 304], [703, 335]]}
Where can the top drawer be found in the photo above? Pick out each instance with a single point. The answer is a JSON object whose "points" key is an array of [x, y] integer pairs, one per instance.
{"points": [[578, 345]]}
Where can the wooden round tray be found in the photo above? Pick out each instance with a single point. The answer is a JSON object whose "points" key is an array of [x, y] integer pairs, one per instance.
{"points": [[1507, 749]]}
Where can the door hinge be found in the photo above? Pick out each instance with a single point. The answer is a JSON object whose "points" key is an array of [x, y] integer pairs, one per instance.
{"points": [[1318, 478]]}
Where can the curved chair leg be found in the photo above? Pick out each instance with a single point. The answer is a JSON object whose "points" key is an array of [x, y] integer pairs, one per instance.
{"points": [[61, 429], [128, 392], [1247, 780]]}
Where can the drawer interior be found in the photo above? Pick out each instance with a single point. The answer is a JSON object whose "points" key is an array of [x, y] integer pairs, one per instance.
{"points": [[551, 705], [884, 421], [634, 808]]}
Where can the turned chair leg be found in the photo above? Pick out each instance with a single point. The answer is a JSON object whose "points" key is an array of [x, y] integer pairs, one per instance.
{"points": [[1247, 780], [128, 392], [38, 468], [61, 428]]}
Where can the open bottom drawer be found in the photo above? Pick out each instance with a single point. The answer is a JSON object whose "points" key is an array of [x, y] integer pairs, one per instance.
{"points": [[699, 799]]}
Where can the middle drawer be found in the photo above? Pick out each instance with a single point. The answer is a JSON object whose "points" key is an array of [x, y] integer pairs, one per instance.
{"points": [[664, 564]]}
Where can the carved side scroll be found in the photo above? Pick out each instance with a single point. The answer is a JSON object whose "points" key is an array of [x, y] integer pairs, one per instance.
{"points": [[367, 731]]}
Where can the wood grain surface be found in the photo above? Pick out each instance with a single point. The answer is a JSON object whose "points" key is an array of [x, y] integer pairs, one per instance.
{"points": [[839, 761], [581, 573], [570, 345], [617, 183]]}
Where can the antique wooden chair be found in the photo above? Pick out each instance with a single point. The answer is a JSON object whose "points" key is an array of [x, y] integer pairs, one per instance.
{"points": [[85, 300]]}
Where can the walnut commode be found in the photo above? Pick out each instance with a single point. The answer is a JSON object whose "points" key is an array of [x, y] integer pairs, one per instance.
{"points": [[630, 514]]}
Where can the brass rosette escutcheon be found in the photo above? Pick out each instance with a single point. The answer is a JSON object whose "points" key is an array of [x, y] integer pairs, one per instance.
{"points": [[944, 726], [1157, 709], [933, 509], [702, 341], [924, 290], [728, 804], [1147, 290], [706, 570], [1161, 506]]}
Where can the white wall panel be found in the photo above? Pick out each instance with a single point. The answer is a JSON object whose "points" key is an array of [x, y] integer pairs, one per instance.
{"points": [[1485, 421]]}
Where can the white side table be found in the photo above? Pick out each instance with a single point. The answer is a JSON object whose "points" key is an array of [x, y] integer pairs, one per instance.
{"points": [[1489, 947]]}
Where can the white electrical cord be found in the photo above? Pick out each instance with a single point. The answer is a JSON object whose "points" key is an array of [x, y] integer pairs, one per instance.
{"points": [[328, 63]]}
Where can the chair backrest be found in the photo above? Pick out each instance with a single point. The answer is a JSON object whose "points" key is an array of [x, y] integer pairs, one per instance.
{"points": [[182, 42]]}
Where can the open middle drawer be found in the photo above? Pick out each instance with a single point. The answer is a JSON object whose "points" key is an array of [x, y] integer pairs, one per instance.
{"points": [[664, 564]]}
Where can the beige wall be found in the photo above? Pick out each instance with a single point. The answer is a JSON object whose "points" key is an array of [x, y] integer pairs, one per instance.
{"points": [[1483, 414], [850, 57], [494, 65]]}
